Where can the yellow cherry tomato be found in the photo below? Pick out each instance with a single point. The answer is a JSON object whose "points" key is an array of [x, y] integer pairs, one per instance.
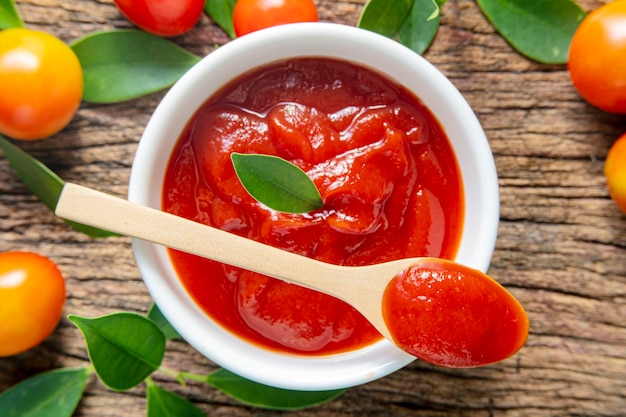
{"points": [[615, 172], [41, 84], [32, 295]]}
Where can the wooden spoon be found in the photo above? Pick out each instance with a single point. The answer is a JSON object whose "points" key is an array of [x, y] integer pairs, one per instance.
{"points": [[434, 309]]}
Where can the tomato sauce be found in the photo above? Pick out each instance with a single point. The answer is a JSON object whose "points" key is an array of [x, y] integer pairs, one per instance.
{"points": [[385, 169]]}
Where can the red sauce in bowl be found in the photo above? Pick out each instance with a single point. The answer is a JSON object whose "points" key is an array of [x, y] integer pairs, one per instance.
{"points": [[385, 169]]}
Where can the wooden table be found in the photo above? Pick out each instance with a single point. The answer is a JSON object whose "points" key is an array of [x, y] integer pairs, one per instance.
{"points": [[561, 247]]}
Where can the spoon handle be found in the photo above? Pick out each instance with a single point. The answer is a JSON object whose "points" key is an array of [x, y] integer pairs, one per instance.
{"points": [[361, 287], [94, 208]]}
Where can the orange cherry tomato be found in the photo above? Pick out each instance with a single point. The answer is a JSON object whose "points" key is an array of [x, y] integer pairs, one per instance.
{"points": [[252, 15], [32, 295], [597, 57], [615, 172], [41, 84]]}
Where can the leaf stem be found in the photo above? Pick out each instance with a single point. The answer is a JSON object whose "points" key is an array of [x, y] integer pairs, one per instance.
{"points": [[193, 377], [181, 376], [90, 368], [149, 382]]}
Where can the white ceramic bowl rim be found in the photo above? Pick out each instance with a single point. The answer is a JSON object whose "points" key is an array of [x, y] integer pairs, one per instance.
{"points": [[248, 52]]}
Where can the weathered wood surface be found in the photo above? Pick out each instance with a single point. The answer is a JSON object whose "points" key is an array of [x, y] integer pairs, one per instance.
{"points": [[561, 246]]}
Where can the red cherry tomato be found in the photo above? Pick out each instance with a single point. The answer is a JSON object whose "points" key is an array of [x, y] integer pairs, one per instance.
{"points": [[41, 84], [597, 57], [162, 17], [252, 15], [32, 295]]}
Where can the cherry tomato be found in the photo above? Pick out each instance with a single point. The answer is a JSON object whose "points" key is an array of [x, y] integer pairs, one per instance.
{"points": [[615, 172], [597, 63], [32, 294], [41, 84], [162, 17], [252, 15]]}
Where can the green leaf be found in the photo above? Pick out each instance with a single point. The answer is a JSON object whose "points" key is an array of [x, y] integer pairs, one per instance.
{"points": [[277, 183], [121, 65], [420, 27], [42, 182], [159, 319], [413, 22], [221, 11], [259, 395], [539, 29], [50, 394], [163, 403], [384, 16], [9, 16], [125, 348]]}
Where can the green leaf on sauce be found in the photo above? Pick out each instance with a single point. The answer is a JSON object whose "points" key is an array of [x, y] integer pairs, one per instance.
{"points": [[163, 403], [9, 16], [539, 29], [277, 183], [259, 395], [120, 65], [413, 22], [42, 182], [124, 348], [221, 11], [50, 394]]}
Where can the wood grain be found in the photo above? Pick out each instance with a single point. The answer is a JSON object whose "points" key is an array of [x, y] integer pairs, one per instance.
{"points": [[561, 247]]}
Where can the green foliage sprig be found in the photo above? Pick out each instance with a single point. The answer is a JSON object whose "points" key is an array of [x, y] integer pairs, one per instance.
{"points": [[122, 362]]}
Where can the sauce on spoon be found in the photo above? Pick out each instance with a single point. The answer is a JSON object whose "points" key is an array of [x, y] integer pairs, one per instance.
{"points": [[451, 315]]}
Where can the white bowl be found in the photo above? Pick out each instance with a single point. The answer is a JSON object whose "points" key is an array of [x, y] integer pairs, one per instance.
{"points": [[248, 52]]}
